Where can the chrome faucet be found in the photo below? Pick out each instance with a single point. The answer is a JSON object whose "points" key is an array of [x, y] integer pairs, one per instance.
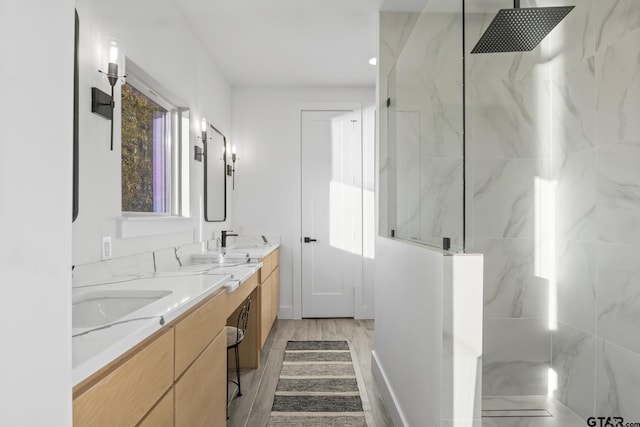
{"points": [[225, 234]]}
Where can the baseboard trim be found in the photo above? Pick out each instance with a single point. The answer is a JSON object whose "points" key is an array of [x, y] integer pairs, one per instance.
{"points": [[285, 313], [389, 397], [364, 313]]}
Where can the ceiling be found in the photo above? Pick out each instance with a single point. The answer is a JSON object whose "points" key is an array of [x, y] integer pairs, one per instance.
{"points": [[292, 42]]}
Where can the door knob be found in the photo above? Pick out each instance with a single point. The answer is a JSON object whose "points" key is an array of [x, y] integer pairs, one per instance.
{"points": [[309, 240]]}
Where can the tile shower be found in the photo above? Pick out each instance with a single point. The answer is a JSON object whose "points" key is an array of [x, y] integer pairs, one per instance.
{"points": [[561, 301]]}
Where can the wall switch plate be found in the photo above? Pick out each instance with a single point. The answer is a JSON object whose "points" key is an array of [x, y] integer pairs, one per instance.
{"points": [[106, 247]]}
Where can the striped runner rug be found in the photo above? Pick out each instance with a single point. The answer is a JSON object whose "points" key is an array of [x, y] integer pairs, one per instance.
{"points": [[317, 387]]}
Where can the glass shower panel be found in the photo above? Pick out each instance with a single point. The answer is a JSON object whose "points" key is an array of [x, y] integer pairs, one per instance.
{"points": [[425, 131]]}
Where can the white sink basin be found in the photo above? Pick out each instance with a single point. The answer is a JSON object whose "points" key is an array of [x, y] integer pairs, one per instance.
{"points": [[103, 307], [248, 246]]}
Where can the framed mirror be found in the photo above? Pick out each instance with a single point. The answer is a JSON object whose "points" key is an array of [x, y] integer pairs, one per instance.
{"points": [[215, 176], [76, 121]]}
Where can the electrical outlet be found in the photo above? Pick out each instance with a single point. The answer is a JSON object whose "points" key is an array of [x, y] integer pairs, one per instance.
{"points": [[106, 247]]}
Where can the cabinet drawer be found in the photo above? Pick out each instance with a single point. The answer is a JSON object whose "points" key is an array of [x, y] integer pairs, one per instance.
{"points": [[127, 393], [162, 414], [195, 332], [200, 397]]}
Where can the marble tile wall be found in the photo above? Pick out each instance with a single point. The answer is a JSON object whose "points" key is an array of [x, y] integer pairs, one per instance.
{"points": [[596, 159], [573, 360], [567, 112], [408, 174], [395, 29], [135, 266], [618, 381], [508, 144], [515, 357], [423, 171]]}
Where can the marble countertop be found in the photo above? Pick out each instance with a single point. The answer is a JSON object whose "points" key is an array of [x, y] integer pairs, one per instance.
{"points": [[250, 250], [95, 347]]}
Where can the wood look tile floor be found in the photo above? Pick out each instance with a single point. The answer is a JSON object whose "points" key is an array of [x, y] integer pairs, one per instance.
{"points": [[253, 408]]}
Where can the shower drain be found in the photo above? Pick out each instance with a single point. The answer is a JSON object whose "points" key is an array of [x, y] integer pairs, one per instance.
{"points": [[516, 413]]}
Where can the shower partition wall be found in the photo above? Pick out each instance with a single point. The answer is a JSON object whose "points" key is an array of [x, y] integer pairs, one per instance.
{"points": [[425, 119]]}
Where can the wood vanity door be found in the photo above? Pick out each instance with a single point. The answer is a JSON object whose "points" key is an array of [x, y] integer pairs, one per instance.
{"points": [[127, 393], [265, 309], [275, 293], [200, 394], [162, 414], [196, 331]]}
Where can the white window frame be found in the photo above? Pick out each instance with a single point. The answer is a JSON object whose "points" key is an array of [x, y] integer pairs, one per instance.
{"points": [[137, 224]]}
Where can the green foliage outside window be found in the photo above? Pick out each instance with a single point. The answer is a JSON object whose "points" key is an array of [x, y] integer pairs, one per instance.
{"points": [[138, 116]]}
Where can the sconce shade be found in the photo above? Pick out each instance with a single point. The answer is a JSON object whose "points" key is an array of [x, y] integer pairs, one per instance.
{"points": [[114, 61], [112, 73], [113, 51], [203, 129]]}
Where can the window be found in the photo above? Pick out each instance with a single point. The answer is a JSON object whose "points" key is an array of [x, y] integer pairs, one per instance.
{"points": [[145, 131], [154, 161]]}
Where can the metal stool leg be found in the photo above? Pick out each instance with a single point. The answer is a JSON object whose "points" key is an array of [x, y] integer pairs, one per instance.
{"points": [[238, 371], [227, 399]]}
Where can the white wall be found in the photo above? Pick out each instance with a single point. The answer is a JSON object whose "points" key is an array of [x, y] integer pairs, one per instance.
{"points": [[407, 356], [36, 106], [159, 40], [266, 130]]}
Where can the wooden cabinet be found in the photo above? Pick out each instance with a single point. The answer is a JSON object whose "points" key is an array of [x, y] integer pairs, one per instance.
{"points": [[176, 377], [162, 414], [195, 331], [269, 293], [200, 394], [201, 360], [126, 393]]}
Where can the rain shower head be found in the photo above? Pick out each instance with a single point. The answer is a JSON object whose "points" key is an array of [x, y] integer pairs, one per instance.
{"points": [[520, 29]]}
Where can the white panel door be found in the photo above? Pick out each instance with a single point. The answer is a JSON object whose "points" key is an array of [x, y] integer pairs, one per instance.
{"points": [[331, 212]]}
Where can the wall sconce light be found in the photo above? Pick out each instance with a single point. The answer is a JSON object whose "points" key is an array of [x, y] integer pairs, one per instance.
{"points": [[199, 152], [101, 103], [231, 169]]}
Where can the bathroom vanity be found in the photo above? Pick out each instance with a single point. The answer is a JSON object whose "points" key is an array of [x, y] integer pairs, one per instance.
{"points": [[174, 369]]}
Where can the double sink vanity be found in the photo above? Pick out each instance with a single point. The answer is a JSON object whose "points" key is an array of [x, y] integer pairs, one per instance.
{"points": [[150, 349]]}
